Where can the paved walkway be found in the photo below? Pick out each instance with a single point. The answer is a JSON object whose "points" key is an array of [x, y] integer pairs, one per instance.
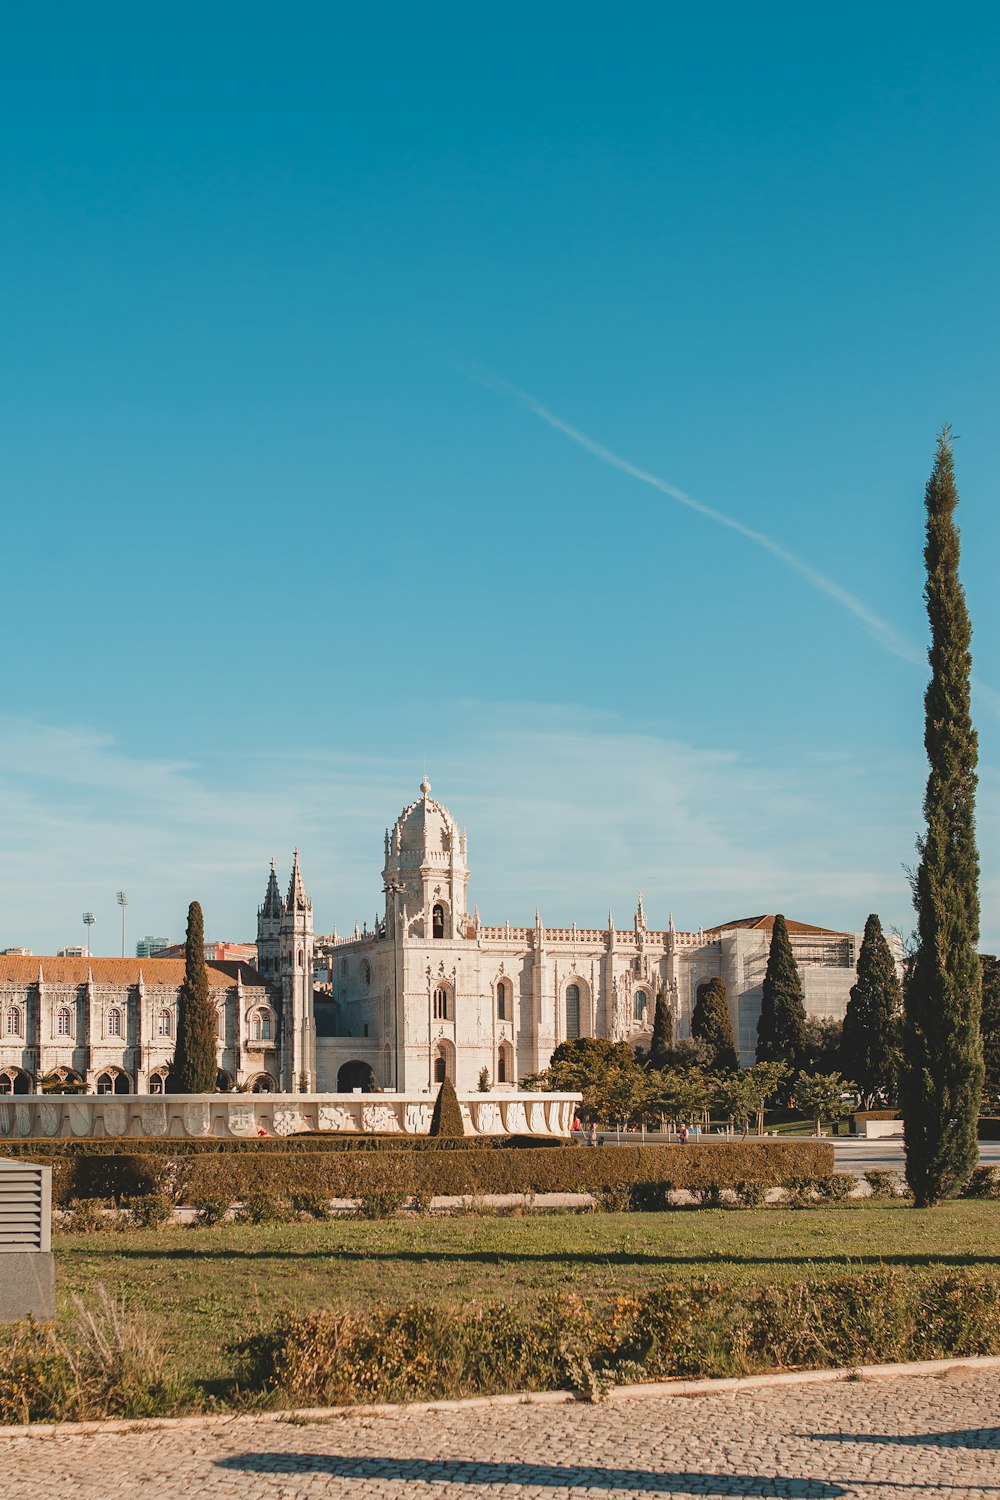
{"points": [[918, 1436]]}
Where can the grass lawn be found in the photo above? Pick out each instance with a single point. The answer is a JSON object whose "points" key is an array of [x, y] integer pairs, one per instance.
{"points": [[207, 1287]]}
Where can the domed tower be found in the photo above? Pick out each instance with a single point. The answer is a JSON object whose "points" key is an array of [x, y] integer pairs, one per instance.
{"points": [[426, 871]]}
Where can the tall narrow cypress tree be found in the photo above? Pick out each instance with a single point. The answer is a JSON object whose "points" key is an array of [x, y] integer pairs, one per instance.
{"points": [[663, 1032], [781, 1029], [990, 1027], [195, 1070], [710, 1021], [941, 1077], [869, 1045]]}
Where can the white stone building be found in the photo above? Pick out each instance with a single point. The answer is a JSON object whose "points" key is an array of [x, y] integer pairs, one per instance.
{"points": [[436, 992], [109, 1025]]}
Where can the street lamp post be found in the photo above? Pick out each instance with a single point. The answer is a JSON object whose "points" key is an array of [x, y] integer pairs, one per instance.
{"points": [[122, 902], [88, 921]]}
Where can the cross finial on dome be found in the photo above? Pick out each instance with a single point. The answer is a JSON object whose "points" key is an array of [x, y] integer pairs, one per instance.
{"points": [[425, 786]]}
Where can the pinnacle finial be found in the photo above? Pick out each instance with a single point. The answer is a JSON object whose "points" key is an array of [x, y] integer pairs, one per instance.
{"points": [[425, 786]]}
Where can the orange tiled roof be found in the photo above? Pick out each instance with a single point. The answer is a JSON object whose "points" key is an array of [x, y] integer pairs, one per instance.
{"points": [[23, 969], [766, 924]]}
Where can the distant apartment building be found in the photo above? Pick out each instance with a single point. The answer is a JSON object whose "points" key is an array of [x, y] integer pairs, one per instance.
{"points": [[215, 953], [75, 950], [149, 947]]}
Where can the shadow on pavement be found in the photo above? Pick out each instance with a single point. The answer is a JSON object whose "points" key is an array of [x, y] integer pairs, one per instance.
{"points": [[972, 1437], [553, 1476]]}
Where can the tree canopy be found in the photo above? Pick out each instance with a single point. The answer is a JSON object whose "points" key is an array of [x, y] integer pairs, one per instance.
{"points": [[711, 1022], [782, 1023], [195, 1066], [869, 1051]]}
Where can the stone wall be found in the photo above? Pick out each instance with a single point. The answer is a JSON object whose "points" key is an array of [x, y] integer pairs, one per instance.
{"points": [[247, 1115]]}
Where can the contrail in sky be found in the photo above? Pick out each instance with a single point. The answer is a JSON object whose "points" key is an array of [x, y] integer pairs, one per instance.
{"points": [[894, 640]]}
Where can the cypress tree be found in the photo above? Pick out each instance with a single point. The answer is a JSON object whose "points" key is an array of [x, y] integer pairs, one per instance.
{"points": [[941, 1077], [710, 1021], [195, 1070], [446, 1121], [781, 1029], [990, 1027], [869, 1045], [663, 1032]]}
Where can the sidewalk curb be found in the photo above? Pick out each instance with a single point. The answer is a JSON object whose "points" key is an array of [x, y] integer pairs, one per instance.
{"points": [[709, 1387]]}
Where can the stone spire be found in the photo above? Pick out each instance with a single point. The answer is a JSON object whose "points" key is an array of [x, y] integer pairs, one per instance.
{"points": [[296, 890], [272, 898], [640, 916]]}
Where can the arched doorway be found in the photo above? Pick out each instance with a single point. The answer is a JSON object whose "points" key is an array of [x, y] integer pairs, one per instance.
{"points": [[505, 1063], [355, 1075], [223, 1082], [444, 1062], [263, 1083]]}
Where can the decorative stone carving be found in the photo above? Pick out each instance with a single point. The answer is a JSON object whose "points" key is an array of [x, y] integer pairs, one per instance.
{"points": [[514, 1117], [6, 1119], [289, 1121], [80, 1118], [336, 1117], [23, 1119], [196, 1118], [115, 1117], [417, 1120], [379, 1117], [488, 1121], [153, 1119], [537, 1123], [49, 1119], [242, 1119]]}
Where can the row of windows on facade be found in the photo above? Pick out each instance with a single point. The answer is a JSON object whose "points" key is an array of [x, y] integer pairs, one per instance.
{"points": [[262, 1025], [640, 1005]]}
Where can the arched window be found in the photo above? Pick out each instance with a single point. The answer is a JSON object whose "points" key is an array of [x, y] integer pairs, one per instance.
{"points": [[15, 1021], [437, 920], [163, 1023], [14, 1081], [261, 1029], [441, 1003], [503, 994], [572, 1011], [640, 1000], [505, 1063], [64, 1021], [114, 1028], [262, 1084], [113, 1082], [158, 1081], [444, 1062]]}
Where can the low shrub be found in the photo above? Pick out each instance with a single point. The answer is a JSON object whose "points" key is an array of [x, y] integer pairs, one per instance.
{"points": [[149, 1211], [984, 1183], [750, 1192], [836, 1188], [883, 1184], [307, 1205], [89, 1216], [210, 1209], [382, 1205], [263, 1207], [424, 1352], [108, 1362]]}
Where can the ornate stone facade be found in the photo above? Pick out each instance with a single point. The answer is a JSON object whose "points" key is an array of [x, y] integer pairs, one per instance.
{"points": [[108, 1025], [435, 991]]}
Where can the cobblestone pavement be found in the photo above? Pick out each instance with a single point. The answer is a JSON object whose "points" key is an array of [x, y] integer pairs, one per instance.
{"points": [[917, 1436]]}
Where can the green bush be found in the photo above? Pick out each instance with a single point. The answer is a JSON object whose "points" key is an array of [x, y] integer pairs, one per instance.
{"points": [[984, 1183], [837, 1187], [446, 1120], [384, 1205], [750, 1192], [149, 1211], [883, 1184], [264, 1207], [424, 1352], [210, 1209], [456, 1173], [308, 1205]]}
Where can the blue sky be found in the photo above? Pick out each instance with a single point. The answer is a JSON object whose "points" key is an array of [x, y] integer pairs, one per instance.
{"points": [[279, 529]]}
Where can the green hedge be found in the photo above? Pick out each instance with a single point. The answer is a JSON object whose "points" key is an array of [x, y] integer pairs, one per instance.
{"points": [[193, 1178], [424, 1352], [165, 1145]]}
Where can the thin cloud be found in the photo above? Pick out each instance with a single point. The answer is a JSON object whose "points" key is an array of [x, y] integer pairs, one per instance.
{"points": [[894, 640]]}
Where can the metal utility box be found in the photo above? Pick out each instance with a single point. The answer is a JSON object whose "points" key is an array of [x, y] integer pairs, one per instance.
{"points": [[27, 1271]]}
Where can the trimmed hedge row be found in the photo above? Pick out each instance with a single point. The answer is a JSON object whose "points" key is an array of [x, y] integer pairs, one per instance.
{"points": [[200, 1178], [166, 1145], [423, 1352]]}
